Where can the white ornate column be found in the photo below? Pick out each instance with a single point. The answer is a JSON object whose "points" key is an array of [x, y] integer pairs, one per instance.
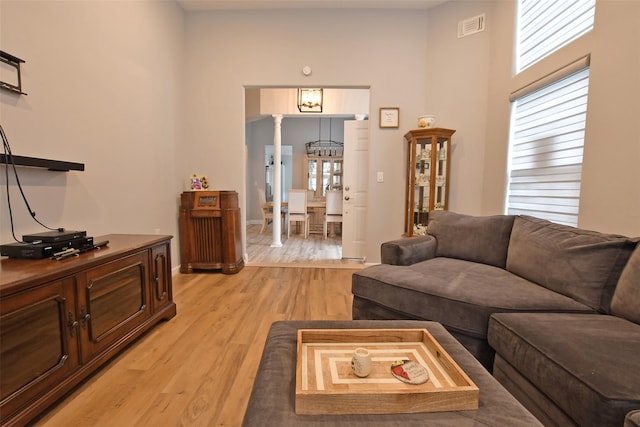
{"points": [[277, 180]]}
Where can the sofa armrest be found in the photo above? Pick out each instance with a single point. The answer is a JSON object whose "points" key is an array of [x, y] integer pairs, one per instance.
{"points": [[408, 251]]}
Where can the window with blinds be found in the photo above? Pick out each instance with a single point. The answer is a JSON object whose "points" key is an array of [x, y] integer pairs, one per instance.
{"points": [[544, 26], [545, 153]]}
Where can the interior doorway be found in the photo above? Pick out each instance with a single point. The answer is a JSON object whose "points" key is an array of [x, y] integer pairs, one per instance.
{"points": [[297, 131]]}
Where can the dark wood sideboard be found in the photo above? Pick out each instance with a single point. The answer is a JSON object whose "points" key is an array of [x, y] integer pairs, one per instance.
{"points": [[61, 320], [210, 232]]}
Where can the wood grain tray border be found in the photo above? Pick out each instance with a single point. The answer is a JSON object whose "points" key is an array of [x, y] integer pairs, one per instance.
{"points": [[325, 383]]}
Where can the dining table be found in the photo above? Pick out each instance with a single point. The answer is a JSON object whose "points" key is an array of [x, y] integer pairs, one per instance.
{"points": [[314, 206]]}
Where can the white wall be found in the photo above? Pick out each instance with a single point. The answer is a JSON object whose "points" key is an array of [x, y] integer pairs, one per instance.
{"points": [[610, 195], [470, 91], [381, 49], [104, 88], [458, 94], [335, 101]]}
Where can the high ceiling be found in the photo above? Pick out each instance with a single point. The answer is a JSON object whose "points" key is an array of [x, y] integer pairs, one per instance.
{"points": [[307, 4]]}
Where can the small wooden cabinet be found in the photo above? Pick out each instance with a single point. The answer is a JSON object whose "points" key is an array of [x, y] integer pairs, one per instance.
{"points": [[61, 320], [210, 232], [427, 176]]}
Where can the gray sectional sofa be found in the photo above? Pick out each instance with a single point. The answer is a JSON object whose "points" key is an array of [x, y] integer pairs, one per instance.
{"points": [[557, 307], [575, 368]]}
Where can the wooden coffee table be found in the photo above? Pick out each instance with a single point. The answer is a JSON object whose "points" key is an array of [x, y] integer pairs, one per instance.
{"points": [[273, 398]]}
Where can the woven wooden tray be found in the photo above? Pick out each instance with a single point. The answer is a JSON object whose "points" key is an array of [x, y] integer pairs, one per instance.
{"points": [[325, 383]]}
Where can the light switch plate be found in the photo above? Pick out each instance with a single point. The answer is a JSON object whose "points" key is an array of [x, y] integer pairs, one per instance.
{"points": [[380, 177]]}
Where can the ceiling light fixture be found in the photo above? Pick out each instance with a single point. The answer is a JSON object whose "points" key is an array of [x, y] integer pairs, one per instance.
{"points": [[310, 100]]}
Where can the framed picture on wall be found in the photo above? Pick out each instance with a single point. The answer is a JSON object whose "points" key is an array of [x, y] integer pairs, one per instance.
{"points": [[389, 117]]}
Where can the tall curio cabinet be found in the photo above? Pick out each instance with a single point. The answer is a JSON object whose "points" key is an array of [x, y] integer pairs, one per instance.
{"points": [[428, 171]]}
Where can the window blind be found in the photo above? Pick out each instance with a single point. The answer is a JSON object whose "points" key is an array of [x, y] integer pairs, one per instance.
{"points": [[544, 26], [546, 146]]}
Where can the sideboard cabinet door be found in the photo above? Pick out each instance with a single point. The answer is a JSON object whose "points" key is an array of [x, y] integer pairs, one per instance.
{"points": [[38, 342], [115, 300]]}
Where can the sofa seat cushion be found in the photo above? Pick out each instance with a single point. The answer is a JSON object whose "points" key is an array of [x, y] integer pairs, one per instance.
{"points": [[587, 364], [582, 264], [459, 294]]}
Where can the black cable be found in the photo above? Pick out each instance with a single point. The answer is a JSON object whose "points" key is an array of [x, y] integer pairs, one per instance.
{"points": [[9, 158], [6, 172]]}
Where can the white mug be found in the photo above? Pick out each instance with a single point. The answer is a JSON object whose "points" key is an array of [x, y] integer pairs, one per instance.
{"points": [[361, 362]]}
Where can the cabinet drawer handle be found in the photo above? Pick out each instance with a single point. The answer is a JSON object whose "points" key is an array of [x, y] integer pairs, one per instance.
{"points": [[85, 317], [73, 325]]}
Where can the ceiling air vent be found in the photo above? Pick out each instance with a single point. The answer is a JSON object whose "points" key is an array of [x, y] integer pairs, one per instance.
{"points": [[471, 26]]}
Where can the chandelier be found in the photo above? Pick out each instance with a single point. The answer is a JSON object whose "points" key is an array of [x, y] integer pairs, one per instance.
{"points": [[310, 100]]}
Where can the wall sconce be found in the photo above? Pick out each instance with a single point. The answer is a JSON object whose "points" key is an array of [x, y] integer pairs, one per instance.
{"points": [[310, 100]]}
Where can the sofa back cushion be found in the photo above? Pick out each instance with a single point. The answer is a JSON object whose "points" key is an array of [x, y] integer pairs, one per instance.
{"points": [[483, 239], [581, 264], [626, 298]]}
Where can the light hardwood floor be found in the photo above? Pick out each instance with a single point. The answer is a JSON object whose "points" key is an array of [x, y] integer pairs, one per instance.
{"points": [[197, 369], [314, 251]]}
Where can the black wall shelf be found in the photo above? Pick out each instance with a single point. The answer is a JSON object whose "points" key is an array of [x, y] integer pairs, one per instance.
{"points": [[52, 165]]}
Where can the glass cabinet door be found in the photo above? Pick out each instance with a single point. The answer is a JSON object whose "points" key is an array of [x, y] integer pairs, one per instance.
{"points": [[326, 176], [324, 173], [312, 174], [336, 183], [422, 180], [115, 297], [441, 177], [39, 343]]}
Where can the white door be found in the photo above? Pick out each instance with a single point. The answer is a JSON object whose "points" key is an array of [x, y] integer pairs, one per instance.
{"points": [[355, 189]]}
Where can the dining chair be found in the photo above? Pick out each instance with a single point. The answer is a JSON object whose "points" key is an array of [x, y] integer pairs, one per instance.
{"points": [[267, 212], [333, 211], [311, 194], [297, 210]]}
